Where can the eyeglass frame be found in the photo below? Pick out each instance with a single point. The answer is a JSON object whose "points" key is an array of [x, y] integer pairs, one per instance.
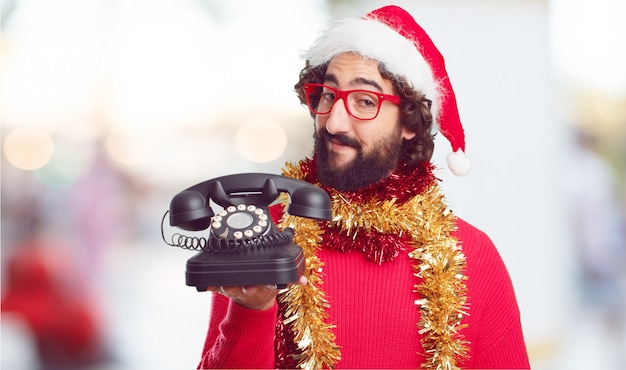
{"points": [[343, 94]]}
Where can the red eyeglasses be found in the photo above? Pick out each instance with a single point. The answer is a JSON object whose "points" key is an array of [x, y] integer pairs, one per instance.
{"points": [[360, 104]]}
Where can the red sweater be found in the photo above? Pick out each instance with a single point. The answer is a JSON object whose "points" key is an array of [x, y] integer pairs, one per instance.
{"points": [[376, 317]]}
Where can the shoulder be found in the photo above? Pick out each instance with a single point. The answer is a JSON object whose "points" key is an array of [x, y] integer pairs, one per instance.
{"points": [[470, 237], [488, 278], [480, 251], [487, 275]]}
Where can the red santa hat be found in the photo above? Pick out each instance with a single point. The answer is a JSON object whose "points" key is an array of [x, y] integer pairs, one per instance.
{"points": [[391, 36]]}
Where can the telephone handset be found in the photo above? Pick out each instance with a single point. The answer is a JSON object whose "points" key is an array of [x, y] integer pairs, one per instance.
{"points": [[243, 247]]}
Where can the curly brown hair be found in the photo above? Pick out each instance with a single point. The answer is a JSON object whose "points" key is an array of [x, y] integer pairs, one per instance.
{"points": [[415, 112]]}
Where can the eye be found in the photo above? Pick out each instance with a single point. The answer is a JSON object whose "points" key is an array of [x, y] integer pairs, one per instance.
{"points": [[367, 103], [365, 100], [328, 96]]}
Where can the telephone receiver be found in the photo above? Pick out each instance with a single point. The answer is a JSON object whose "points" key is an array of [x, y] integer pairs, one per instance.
{"points": [[244, 247]]}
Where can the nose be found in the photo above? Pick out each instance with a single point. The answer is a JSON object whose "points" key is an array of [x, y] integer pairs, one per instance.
{"points": [[338, 119]]}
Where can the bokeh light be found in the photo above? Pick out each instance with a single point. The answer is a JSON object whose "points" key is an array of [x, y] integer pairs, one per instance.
{"points": [[128, 149], [261, 140], [28, 148], [64, 168]]}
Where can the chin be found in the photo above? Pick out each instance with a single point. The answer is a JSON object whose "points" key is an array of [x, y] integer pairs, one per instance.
{"points": [[339, 162]]}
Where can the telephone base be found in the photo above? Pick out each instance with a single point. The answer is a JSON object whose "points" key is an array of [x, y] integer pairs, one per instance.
{"points": [[279, 265]]}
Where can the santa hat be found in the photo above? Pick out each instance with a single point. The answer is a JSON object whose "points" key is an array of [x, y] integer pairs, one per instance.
{"points": [[391, 36]]}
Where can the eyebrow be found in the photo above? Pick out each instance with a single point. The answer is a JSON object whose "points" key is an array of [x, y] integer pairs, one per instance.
{"points": [[357, 81]]}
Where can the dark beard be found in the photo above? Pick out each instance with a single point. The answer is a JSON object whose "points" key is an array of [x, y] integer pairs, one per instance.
{"points": [[364, 169]]}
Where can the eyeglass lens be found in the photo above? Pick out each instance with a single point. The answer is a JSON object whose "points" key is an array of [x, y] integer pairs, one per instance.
{"points": [[359, 103]]}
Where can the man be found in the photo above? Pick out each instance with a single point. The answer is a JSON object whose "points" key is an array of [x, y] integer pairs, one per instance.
{"points": [[395, 280]]}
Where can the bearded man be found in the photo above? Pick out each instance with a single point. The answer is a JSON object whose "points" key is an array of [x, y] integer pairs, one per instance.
{"points": [[395, 279]]}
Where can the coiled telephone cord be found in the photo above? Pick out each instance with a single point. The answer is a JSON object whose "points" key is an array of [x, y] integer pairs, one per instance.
{"points": [[226, 245]]}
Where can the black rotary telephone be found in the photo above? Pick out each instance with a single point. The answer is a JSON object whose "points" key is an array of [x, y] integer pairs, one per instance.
{"points": [[244, 247]]}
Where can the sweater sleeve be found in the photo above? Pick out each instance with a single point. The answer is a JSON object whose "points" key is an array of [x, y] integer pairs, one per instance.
{"points": [[495, 330], [239, 337]]}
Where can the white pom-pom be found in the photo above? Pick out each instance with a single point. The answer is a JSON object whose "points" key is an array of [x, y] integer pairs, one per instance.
{"points": [[459, 163]]}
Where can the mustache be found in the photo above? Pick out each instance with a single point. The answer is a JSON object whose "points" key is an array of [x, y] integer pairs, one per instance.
{"points": [[340, 139]]}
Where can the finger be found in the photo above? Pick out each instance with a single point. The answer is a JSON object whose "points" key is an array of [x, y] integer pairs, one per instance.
{"points": [[253, 289], [303, 280]]}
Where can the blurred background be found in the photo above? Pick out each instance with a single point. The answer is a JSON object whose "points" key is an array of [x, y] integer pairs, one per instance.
{"points": [[110, 107]]}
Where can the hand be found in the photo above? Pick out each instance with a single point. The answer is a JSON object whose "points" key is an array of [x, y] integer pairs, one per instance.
{"points": [[253, 297]]}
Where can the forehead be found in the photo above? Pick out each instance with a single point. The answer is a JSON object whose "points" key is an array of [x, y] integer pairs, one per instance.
{"points": [[348, 69]]}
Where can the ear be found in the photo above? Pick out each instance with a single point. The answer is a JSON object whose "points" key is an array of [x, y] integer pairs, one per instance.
{"points": [[407, 134]]}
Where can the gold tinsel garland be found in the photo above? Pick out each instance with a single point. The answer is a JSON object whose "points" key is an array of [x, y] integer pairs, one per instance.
{"points": [[305, 313], [439, 263]]}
